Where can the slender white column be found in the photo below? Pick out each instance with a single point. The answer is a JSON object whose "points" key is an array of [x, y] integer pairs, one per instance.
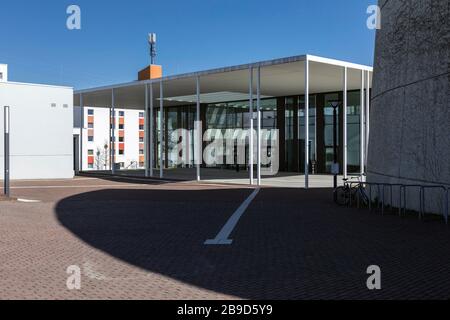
{"points": [[81, 154], [198, 149], [113, 133], [161, 128], [306, 123], [152, 142], [251, 137], [367, 114], [258, 107], [110, 139], [345, 124], [362, 130], [146, 146]]}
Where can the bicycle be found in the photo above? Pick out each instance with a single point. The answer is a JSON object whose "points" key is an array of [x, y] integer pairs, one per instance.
{"points": [[345, 195]]}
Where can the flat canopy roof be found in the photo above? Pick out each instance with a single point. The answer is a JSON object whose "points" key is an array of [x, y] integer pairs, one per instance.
{"points": [[279, 77]]}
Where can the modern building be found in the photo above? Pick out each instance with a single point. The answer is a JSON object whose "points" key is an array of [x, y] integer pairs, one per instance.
{"points": [[230, 98], [96, 146], [95, 124], [41, 118]]}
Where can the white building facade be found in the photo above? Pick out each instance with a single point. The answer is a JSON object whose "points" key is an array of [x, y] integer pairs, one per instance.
{"points": [[96, 145], [41, 117]]}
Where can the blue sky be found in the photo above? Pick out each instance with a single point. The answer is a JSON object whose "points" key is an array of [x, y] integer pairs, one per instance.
{"points": [[192, 35]]}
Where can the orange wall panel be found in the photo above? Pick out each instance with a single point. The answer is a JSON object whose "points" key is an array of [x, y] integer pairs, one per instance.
{"points": [[151, 72]]}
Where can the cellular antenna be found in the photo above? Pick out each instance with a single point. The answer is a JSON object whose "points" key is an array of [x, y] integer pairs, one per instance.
{"points": [[152, 43]]}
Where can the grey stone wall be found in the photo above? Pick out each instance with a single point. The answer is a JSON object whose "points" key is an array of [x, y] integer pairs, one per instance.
{"points": [[410, 113]]}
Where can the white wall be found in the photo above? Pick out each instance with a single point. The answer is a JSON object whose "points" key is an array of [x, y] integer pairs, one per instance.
{"points": [[41, 136]]}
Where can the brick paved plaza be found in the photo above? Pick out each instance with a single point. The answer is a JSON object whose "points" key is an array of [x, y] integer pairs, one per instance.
{"points": [[136, 240]]}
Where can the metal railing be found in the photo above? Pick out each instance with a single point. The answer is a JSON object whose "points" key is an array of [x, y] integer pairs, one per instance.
{"points": [[402, 197]]}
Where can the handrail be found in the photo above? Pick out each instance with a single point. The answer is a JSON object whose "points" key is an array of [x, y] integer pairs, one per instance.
{"points": [[403, 189]]}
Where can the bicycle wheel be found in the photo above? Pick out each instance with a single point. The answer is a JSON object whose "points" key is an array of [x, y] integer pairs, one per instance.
{"points": [[341, 196]]}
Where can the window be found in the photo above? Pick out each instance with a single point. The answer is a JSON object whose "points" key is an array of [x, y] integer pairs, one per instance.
{"points": [[122, 165], [121, 139], [91, 138], [90, 112], [1, 76], [141, 114], [90, 166], [90, 125], [141, 127], [121, 113], [141, 140], [90, 152], [53, 105], [121, 152], [121, 126], [141, 151]]}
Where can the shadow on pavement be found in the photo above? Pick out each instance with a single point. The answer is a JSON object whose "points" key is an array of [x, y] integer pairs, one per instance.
{"points": [[290, 244], [129, 179]]}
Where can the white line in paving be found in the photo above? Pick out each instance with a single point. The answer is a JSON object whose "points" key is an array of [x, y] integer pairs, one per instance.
{"points": [[28, 201], [223, 237]]}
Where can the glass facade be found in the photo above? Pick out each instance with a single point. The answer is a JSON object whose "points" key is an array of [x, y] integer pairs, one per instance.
{"points": [[330, 130], [312, 143], [354, 132], [287, 114]]}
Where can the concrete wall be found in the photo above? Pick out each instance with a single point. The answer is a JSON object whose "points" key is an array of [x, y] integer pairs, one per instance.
{"points": [[41, 134], [410, 115]]}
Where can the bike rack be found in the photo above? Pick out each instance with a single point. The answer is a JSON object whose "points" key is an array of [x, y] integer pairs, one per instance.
{"points": [[403, 192]]}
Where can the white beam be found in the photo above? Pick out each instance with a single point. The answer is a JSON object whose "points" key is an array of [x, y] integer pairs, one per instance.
{"points": [[362, 129], [258, 107], [367, 114], [81, 154], [113, 133], [338, 63], [146, 146], [251, 137], [198, 144], [345, 124], [161, 129], [110, 139], [307, 124], [152, 130]]}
